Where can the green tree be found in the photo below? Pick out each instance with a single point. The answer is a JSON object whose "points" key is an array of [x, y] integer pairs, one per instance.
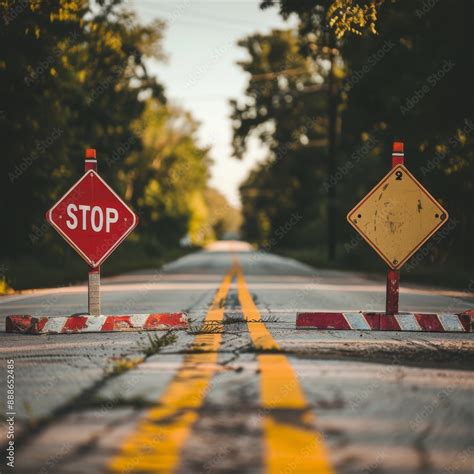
{"points": [[408, 80], [343, 16], [417, 89], [224, 219], [73, 75], [285, 109], [70, 77], [167, 178]]}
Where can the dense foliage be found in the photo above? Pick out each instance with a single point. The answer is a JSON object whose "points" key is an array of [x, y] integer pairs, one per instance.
{"points": [[406, 77], [73, 75]]}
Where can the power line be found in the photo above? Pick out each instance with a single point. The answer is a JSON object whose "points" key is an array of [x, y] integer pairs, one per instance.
{"points": [[197, 15], [203, 98], [199, 24]]}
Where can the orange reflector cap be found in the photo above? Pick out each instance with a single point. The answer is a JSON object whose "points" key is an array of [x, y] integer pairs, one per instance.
{"points": [[398, 147], [90, 153]]}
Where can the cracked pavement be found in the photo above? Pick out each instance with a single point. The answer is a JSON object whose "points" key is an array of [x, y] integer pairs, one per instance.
{"points": [[384, 402]]}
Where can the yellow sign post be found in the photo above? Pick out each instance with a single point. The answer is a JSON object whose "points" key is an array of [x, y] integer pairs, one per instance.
{"points": [[396, 218]]}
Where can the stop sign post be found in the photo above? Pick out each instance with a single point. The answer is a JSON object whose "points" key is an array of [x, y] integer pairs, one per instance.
{"points": [[94, 221]]}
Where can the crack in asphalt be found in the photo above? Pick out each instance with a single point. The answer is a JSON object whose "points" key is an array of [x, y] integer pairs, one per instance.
{"points": [[74, 404], [412, 355], [424, 463], [85, 396]]}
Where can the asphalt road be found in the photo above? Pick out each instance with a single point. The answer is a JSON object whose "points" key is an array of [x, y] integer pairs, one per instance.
{"points": [[243, 392]]}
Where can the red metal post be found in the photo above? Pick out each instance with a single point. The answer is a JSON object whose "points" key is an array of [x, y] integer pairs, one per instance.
{"points": [[393, 281], [398, 155], [393, 276], [93, 299], [90, 159]]}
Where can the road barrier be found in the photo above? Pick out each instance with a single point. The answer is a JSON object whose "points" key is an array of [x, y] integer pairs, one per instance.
{"points": [[26, 324], [93, 219], [417, 322], [395, 218]]}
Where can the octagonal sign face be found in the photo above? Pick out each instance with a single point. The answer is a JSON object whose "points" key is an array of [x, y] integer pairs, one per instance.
{"points": [[397, 217], [92, 218]]}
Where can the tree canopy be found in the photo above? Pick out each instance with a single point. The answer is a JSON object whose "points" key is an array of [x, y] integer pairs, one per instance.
{"points": [[406, 77], [73, 75]]}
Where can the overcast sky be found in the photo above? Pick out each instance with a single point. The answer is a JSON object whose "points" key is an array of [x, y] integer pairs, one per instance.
{"points": [[201, 74]]}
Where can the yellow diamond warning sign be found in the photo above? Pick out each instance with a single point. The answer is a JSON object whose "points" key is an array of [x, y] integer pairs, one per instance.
{"points": [[397, 217]]}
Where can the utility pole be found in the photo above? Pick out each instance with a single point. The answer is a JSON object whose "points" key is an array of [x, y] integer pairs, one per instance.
{"points": [[332, 137]]}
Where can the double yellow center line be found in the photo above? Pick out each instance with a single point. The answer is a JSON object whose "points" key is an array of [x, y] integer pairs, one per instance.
{"points": [[291, 442]]}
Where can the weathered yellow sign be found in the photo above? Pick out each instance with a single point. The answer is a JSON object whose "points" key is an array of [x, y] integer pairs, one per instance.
{"points": [[397, 217]]}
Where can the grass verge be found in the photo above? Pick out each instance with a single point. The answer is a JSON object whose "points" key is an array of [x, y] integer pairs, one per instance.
{"points": [[42, 271], [451, 274], [156, 343]]}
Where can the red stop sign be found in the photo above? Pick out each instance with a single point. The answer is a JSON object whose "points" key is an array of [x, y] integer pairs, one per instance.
{"points": [[92, 218]]}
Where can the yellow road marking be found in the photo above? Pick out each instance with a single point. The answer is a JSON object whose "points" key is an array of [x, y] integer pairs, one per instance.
{"points": [[156, 444], [291, 441]]}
